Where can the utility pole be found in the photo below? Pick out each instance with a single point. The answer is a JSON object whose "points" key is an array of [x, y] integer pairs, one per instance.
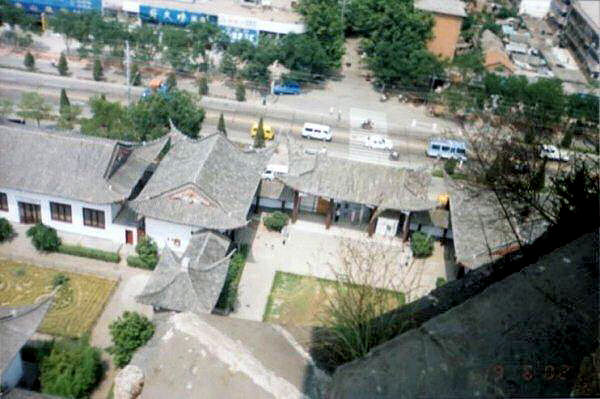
{"points": [[128, 64]]}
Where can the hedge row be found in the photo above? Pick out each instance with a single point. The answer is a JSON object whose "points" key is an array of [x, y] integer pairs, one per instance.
{"points": [[92, 253], [136, 261], [228, 296]]}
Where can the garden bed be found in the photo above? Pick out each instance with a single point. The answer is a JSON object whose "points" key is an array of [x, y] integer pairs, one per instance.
{"points": [[76, 306], [92, 253], [302, 300]]}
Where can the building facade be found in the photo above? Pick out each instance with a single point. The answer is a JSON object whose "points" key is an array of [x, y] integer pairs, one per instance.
{"points": [[582, 35], [448, 16]]}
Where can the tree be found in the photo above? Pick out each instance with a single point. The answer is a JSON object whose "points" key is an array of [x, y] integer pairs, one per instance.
{"points": [[221, 125], [147, 251], [72, 369], [68, 116], [240, 91], [449, 166], [44, 238], [177, 47], [259, 139], [6, 230], [228, 66], [136, 77], [276, 221], [109, 119], [33, 106], [63, 66], [64, 100], [203, 86], [6, 108], [98, 72], [421, 244], [128, 333], [29, 61], [145, 42]]}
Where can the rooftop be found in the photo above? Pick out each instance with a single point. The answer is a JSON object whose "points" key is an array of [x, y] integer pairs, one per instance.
{"points": [[70, 165], [194, 281], [447, 7], [207, 183], [17, 325]]}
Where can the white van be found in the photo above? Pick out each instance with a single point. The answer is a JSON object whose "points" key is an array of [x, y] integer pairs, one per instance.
{"points": [[318, 132], [441, 148]]}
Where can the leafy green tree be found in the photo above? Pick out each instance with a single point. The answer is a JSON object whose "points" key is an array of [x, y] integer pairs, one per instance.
{"points": [[185, 113], [10, 14], [228, 66], [109, 119], [24, 41], [148, 251], [44, 238], [304, 54], [98, 71], [6, 108], [323, 19], [68, 116], [203, 86], [221, 126], [240, 91], [29, 61], [145, 43], [129, 332], [63, 66], [72, 369], [149, 118], [33, 106], [6, 230], [64, 100], [567, 139], [259, 139], [276, 221], [421, 244], [177, 47], [205, 35], [257, 72]]}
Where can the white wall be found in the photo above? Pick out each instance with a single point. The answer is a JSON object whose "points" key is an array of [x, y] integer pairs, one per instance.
{"points": [[13, 373], [111, 231], [165, 233], [535, 8], [273, 203], [387, 227]]}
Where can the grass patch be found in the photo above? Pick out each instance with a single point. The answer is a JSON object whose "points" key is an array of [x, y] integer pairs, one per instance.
{"points": [[302, 300], [92, 253], [455, 175], [77, 305], [136, 261], [437, 173]]}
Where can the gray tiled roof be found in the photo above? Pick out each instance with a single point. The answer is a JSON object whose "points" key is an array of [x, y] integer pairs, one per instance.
{"points": [[192, 282], [208, 183], [17, 325], [480, 227], [490, 41], [275, 190], [448, 7], [359, 182], [18, 393], [70, 165]]}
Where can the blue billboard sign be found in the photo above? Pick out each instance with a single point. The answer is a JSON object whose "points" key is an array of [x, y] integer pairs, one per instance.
{"points": [[236, 34], [174, 17], [52, 6]]}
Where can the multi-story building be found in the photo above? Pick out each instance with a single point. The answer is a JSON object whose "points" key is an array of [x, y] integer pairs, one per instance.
{"points": [[582, 35]]}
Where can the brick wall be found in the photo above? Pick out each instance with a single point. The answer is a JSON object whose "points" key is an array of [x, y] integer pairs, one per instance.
{"points": [[445, 35]]}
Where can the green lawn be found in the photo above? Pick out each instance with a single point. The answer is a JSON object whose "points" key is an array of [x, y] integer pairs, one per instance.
{"points": [[76, 306], [302, 300]]}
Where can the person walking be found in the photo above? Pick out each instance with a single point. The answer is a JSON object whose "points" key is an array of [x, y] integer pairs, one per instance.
{"points": [[285, 233]]}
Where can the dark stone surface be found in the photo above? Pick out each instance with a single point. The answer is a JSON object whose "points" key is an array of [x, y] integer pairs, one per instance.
{"points": [[522, 336]]}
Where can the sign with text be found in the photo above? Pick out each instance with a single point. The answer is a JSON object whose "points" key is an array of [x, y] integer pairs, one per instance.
{"points": [[52, 6]]}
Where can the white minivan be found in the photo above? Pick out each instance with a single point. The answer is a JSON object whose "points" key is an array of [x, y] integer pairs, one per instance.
{"points": [[315, 131]]}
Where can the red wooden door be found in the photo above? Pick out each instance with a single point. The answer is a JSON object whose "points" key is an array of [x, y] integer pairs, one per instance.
{"points": [[128, 237]]}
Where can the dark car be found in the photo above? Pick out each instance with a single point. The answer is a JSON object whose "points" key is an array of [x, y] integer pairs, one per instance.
{"points": [[287, 88]]}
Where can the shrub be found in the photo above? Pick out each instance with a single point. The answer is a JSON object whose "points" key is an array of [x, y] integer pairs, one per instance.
{"points": [[567, 139], [203, 86], [44, 238], [59, 279], [172, 81], [98, 72], [91, 253], [449, 166], [421, 244], [228, 296], [72, 369], [6, 230], [240, 92], [276, 221], [437, 173], [29, 61], [148, 252], [129, 332], [439, 282], [63, 65], [136, 261]]}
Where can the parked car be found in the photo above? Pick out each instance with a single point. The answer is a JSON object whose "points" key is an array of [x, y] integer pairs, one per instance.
{"points": [[269, 132], [447, 149], [268, 175], [318, 132], [554, 154], [378, 142], [287, 88]]}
